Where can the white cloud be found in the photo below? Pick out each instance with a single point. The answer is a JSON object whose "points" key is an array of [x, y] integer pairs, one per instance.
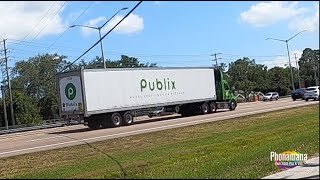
{"points": [[19, 18], [268, 13], [159, 2], [310, 23], [283, 61], [132, 24]]}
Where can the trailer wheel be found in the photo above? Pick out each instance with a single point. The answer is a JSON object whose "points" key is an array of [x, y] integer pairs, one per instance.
{"points": [[232, 105], [127, 118], [204, 108], [177, 109], [213, 107], [116, 120], [93, 124]]}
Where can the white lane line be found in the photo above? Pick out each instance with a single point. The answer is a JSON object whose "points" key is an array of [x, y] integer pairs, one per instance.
{"points": [[40, 139], [155, 128], [241, 106]]}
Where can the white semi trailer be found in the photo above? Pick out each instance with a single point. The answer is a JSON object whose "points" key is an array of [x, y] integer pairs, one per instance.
{"points": [[112, 97]]}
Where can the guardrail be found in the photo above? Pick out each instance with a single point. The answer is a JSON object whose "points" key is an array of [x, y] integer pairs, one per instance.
{"points": [[51, 123]]}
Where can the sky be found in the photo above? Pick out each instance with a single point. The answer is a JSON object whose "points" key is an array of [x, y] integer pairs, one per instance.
{"points": [[169, 33]]}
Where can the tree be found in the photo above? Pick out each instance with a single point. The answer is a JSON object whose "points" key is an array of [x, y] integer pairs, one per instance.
{"points": [[124, 62], [222, 66], [241, 73], [36, 79], [26, 110], [279, 80], [309, 66]]}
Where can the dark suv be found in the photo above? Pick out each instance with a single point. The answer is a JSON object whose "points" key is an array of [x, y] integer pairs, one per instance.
{"points": [[298, 94]]}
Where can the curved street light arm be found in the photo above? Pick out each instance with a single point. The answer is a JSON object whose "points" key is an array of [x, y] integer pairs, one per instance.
{"points": [[112, 17], [296, 35], [84, 26], [277, 39]]}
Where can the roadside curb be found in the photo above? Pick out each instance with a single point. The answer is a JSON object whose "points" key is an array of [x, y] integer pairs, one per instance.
{"points": [[310, 170]]}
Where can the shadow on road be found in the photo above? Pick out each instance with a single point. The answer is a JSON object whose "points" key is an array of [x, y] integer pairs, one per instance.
{"points": [[85, 129], [140, 121]]}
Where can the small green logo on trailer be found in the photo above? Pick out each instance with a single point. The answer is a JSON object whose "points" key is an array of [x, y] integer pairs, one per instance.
{"points": [[70, 91]]}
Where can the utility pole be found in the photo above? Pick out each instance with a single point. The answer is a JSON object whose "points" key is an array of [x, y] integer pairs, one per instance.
{"points": [[315, 71], [9, 83], [4, 106], [295, 56], [215, 58]]}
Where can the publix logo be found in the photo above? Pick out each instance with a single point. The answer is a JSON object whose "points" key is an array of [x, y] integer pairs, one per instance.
{"points": [[165, 84], [70, 91]]}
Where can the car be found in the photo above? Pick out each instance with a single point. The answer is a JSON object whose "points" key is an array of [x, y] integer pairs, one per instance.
{"points": [[159, 111], [312, 93], [270, 96], [298, 94]]}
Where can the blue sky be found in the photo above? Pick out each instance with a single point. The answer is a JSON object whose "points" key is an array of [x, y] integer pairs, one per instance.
{"points": [[167, 33]]}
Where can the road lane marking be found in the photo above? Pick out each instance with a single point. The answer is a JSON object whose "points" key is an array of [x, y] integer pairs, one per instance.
{"points": [[40, 139], [155, 128]]}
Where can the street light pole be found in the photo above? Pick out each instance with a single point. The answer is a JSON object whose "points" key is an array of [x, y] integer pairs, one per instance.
{"points": [[104, 63], [295, 57], [99, 29], [286, 41], [290, 66]]}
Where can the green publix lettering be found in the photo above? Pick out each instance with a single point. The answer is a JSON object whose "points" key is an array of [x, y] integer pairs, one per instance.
{"points": [[166, 84]]}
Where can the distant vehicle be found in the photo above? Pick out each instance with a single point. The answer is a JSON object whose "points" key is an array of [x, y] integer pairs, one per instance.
{"points": [[270, 96], [159, 111], [298, 94], [312, 93]]}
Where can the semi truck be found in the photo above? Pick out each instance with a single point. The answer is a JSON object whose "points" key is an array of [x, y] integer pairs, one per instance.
{"points": [[113, 97]]}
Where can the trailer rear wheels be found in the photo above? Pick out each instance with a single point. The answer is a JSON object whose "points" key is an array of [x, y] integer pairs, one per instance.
{"points": [[212, 107], [116, 120], [204, 108], [127, 118]]}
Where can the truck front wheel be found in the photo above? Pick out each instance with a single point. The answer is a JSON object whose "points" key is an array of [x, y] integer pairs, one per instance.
{"points": [[232, 105]]}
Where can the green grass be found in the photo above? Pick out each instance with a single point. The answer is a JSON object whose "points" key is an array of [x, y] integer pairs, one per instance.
{"points": [[237, 148]]}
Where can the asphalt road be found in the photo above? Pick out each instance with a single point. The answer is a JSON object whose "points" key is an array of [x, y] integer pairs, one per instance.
{"points": [[39, 140]]}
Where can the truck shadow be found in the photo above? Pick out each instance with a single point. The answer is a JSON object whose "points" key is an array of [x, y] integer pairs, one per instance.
{"points": [[154, 119], [85, 129]]}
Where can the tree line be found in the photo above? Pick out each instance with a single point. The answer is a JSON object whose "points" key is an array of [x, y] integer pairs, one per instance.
{"points": [[35, 96]]}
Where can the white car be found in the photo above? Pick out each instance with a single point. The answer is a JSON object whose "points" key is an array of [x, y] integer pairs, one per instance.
{"points": [[270, 96], [312, 93]]}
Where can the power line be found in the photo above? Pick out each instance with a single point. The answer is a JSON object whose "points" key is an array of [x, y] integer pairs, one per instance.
{"points": [[40, 20], [50, 20], [103, 36], [71, 23], [95, 43]]}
